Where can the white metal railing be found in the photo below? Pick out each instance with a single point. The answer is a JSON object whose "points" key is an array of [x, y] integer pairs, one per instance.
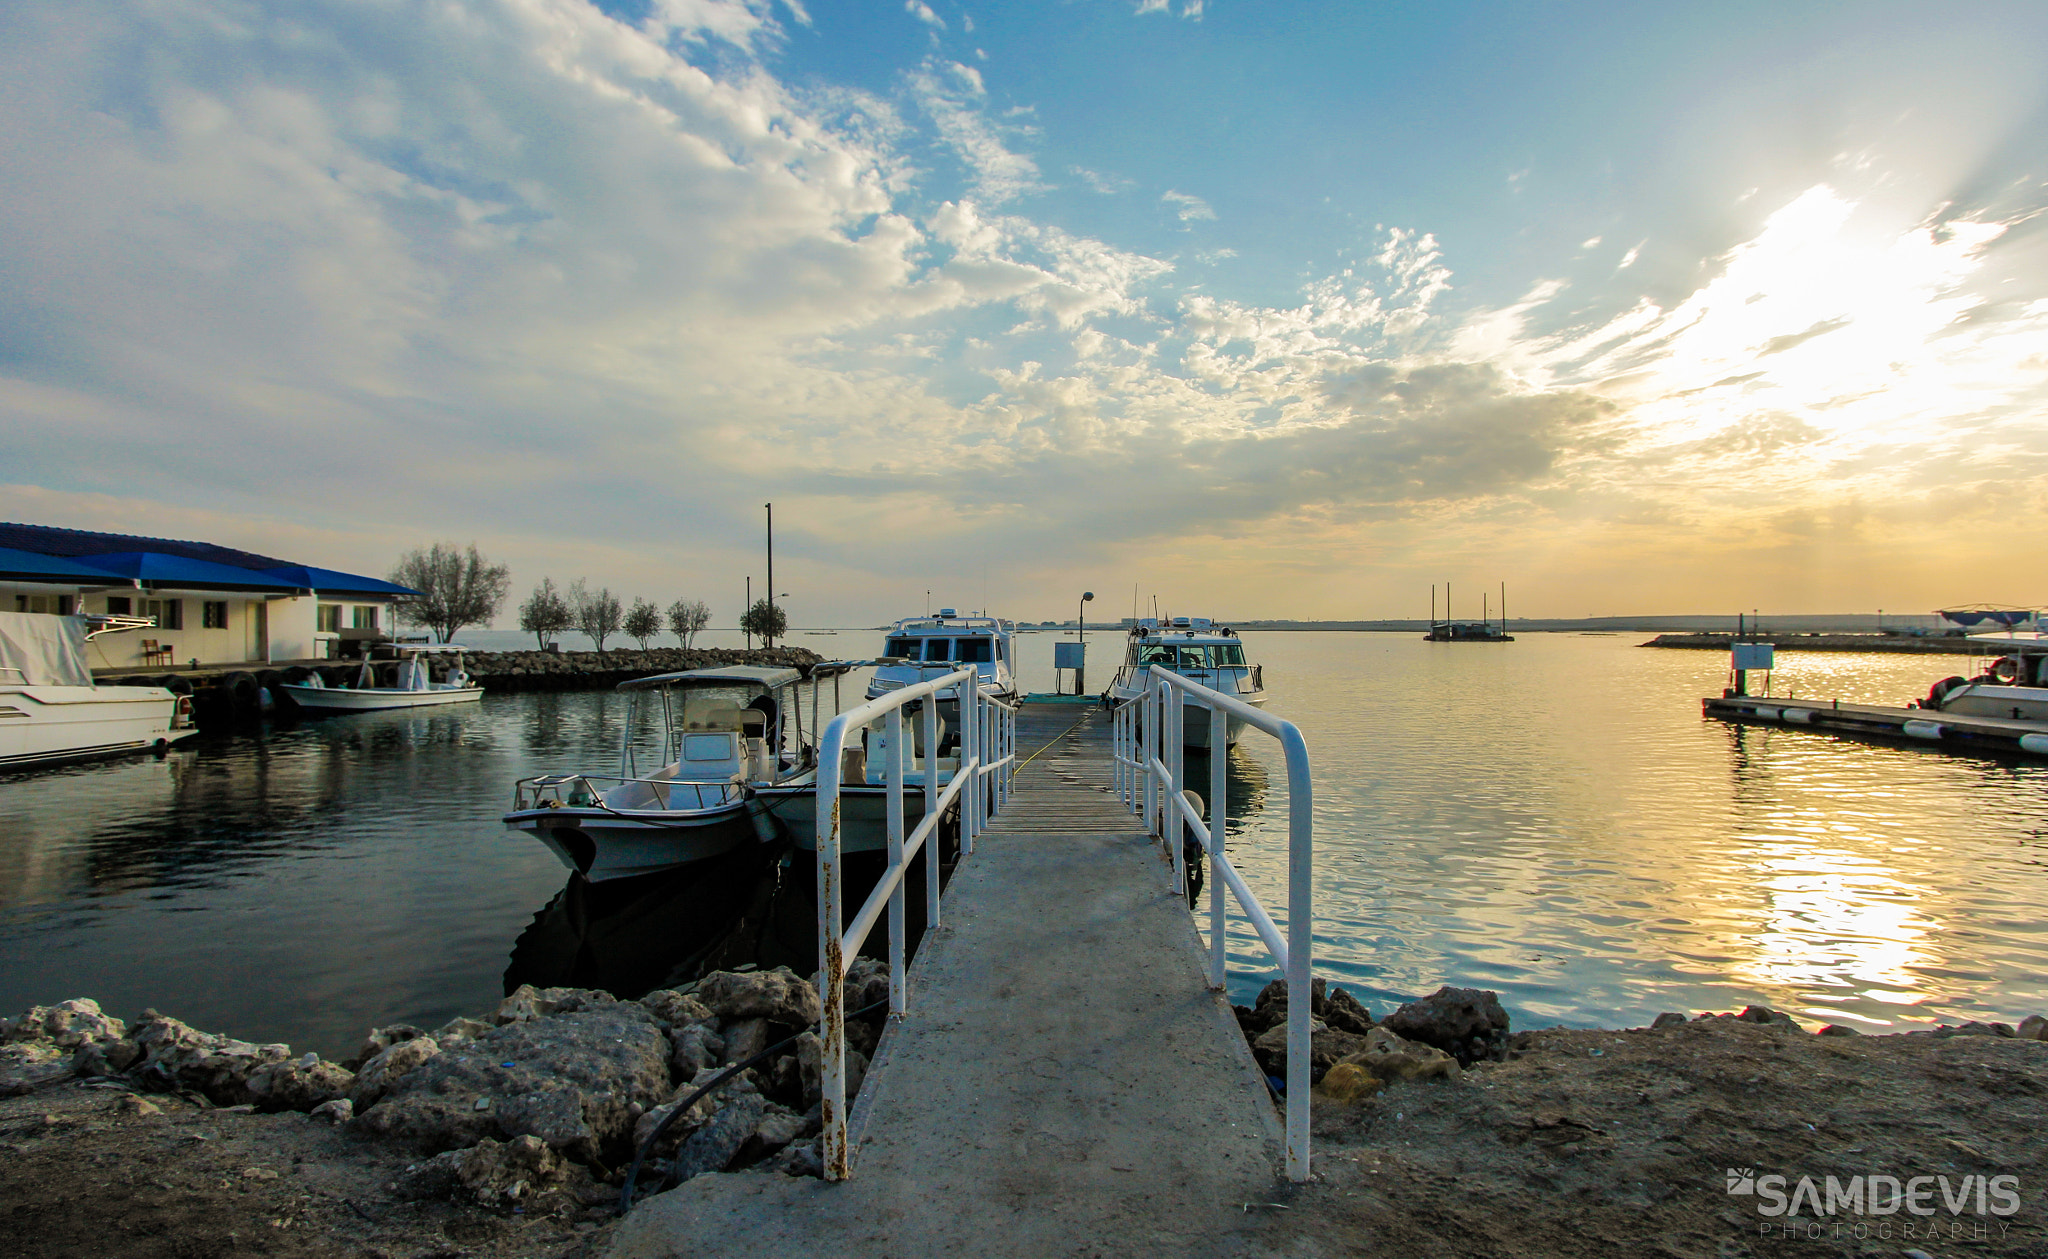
{"points": [[1149, 736], [988, 741]]}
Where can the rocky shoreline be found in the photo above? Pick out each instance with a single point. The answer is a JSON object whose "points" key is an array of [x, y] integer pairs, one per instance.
{"points": [[1438, 1128], [531, 1113]]}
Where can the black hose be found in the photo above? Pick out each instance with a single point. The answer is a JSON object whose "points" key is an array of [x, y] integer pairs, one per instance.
{"points": [[723, 1077]]}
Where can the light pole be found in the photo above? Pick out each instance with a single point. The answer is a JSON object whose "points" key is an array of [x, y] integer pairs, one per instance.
{"points": [[746, 618], [1081, 624], [771, 569]]}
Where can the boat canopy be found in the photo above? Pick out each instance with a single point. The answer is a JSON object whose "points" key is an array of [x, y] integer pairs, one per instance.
{"points": [[45, 650], [1978, 615], [741, 674]]}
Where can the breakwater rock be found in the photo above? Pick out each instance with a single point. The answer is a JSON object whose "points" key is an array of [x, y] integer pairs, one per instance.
{"points": [[1897, 644], [536, 1108], [589, 670]]}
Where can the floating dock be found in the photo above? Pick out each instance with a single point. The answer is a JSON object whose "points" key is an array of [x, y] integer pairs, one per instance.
{"points": [[1065, 1081], [1954, 732]]}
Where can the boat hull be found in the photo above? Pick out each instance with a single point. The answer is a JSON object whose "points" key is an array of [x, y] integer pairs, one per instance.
{"points": [[2014, 703], [1195, 718], [46, 725], [342, 699], [863, 815], [602, 844]]}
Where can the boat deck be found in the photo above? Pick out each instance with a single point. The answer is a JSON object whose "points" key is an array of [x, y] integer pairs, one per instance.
{"points": [[1954, 732], [1064, 1082]]}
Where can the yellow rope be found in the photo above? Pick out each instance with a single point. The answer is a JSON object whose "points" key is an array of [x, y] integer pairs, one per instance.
{"points": [[1055, 739]]}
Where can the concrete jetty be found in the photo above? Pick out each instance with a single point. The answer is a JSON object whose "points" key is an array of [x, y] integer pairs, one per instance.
{"points": [[1064, 1082]]}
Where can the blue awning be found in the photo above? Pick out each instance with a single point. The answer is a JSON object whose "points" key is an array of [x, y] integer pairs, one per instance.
{"points": [[329, 581], [156, 569], [29, 566]]}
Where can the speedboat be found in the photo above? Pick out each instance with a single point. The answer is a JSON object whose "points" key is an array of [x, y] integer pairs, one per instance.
{"points": [[1199, 650], [922, 647], [725, 735], [394, 675], [50, 708]]}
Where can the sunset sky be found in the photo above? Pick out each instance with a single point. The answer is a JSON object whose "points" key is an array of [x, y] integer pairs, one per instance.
{"points": [[1271, 309]]}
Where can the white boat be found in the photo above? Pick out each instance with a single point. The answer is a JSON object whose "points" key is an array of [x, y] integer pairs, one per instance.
{"points": [[1199, 650], [725, 733], [922, 647], [50, 709], [2014, 686], [394, 675]]}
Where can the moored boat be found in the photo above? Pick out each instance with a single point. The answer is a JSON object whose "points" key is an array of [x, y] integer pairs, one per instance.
{"points": [[1199, 650], [50, 708], [725, 734], [921, 647], [393, 675]]}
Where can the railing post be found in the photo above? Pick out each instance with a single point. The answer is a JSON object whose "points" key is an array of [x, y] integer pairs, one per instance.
{"points": [[898, 997], [1219, 755], [832, 1083], [1176, 737], [1300, 945], [968, 735], [931, 809]]}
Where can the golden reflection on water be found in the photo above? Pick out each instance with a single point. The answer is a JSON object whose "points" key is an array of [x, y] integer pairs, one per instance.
{"points": [[1836, 920]]}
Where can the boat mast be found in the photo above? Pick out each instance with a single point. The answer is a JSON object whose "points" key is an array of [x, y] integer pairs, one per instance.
{"points": [[769, 641]]}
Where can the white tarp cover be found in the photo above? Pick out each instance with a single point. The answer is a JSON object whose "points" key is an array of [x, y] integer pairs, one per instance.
{"points": [[49, 650]]}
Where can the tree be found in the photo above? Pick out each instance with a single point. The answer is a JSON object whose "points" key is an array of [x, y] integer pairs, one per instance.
{"points": [[457, 588], [643, 621], [687, 618], [597, 615], [545, 612], [765, 620]]}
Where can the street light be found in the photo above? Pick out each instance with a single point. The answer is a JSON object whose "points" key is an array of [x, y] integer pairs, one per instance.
{"points": [[1081, 624]]}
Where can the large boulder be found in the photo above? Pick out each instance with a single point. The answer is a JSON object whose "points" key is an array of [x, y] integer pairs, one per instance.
{"points": [[677, 1009], [299, 1084], [1326, 1046], [175, 1056], [712, 1147], [26, 1066], [499, 1174], [1466, 1023], [380, 1074], [528, 1002], [575, 1080], [1332, 1006], [780, 996], [68, 1024]]}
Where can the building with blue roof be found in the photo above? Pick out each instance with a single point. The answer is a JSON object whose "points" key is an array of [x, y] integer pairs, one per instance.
{"points": [[212, 604]]}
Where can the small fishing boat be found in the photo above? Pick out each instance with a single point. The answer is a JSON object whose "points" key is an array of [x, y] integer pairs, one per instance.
{"points": [[726, 734], [50, 708], [1199, 650], [394, 675]]}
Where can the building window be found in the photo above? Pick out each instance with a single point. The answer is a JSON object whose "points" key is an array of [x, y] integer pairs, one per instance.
{"points": [[214, 615], [366, 617], [120, 605], [169, 613], [329, 618], [59, 605]]}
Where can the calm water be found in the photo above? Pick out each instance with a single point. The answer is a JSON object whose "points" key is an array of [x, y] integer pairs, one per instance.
{"points": [[1550, 818]]}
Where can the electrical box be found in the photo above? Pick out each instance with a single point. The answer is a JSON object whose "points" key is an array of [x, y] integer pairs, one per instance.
{"points": [[1753, 656], [1068, 655]]}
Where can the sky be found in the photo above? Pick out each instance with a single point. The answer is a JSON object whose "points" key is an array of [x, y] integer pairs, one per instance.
{"points": [[1269, 310]]}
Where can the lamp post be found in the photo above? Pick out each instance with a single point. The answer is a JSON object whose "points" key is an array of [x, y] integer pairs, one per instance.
{"points": [[1081, 625], [745, 620], [767, 641]]}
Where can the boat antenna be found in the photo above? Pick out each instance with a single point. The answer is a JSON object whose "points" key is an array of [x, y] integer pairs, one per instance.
{"points": [[1503, 607]]}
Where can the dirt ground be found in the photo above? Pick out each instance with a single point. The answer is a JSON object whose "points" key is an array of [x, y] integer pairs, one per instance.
{"points": [[83, 1174], [1585, 1143], [1621, 1143]]}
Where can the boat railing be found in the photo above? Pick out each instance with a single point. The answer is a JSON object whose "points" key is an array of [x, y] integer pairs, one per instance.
{"points": [[1148, 737], [981, 783], [587, 791]]}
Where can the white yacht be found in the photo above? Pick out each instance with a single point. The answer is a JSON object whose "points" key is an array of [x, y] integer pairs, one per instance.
{"points": [[1199, 650], [50, 709], [725, 733], [394, 675], [922, 647]]}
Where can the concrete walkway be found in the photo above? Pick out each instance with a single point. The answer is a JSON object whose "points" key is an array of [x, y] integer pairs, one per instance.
{"points": [[1064, 1083]]}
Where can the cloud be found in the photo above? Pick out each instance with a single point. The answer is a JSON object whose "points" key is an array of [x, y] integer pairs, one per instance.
{"points": [[950, 94], [1107, 185], [923, 13], [1186, 206]]}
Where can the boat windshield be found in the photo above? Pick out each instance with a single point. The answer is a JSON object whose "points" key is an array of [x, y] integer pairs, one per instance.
{"points": [[1193, 655], [721, 708]]}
